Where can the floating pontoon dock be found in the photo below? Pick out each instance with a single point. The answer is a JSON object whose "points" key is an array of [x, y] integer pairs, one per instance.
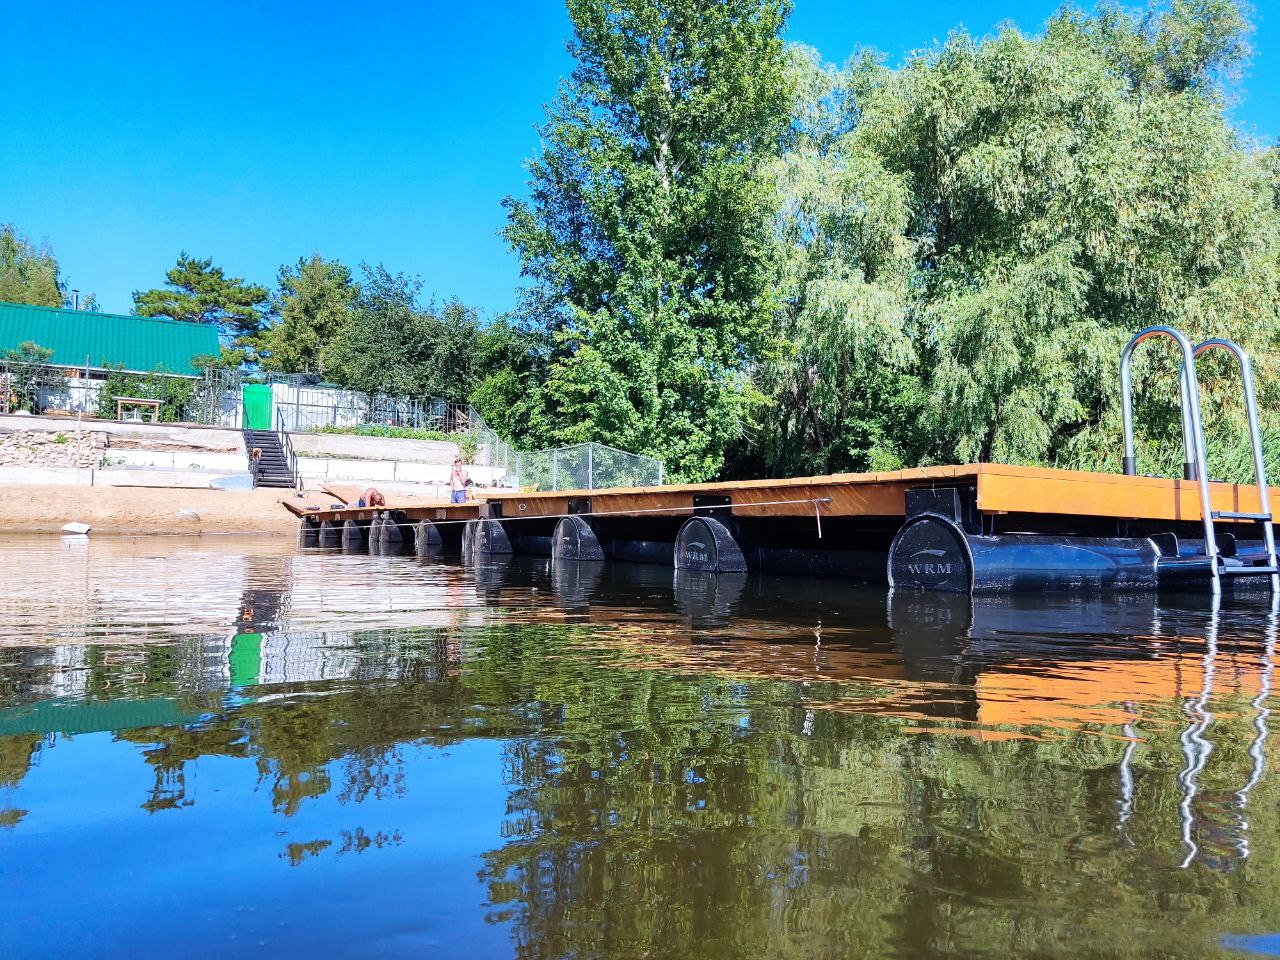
{"points": [[981, 528]]}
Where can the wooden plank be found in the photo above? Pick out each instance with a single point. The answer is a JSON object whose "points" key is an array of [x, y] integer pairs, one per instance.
{"points": [[341, 494], [845, 500], [1109, 495]]}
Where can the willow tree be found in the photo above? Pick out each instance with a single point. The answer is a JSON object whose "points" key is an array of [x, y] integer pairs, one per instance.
{"points": [[997, 217], [645, 236]]}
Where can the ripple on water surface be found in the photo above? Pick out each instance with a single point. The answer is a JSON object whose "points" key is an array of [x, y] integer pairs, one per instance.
{"points": [[220, 744]]}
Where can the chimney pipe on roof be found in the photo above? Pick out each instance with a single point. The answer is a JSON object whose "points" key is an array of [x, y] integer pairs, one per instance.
{"points": [[75, 299]]}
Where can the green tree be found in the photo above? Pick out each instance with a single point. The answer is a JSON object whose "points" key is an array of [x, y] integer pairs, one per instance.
{"points": [[994, 220], [313, 306], [28, 274], [199, 292], [392, 346], [645, 237], [512, 365], [174, 393], [27, 372], [846, 391]]}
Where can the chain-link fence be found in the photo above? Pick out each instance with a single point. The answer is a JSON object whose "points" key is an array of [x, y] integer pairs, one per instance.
{"points": [[582, 466], [585, 466]]}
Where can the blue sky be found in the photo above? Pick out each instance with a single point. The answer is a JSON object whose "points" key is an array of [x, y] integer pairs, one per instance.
{"points": [[256, 133]]}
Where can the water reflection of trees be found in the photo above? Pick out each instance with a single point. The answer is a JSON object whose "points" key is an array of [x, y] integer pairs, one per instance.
{"points": [[688, 816], [668, 810]]}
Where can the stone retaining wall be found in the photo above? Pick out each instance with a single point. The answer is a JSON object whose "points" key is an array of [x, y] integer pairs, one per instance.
{"points": [[45, 448]]}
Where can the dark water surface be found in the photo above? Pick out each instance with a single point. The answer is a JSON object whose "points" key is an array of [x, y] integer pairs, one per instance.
{"points": [[218, 747]]}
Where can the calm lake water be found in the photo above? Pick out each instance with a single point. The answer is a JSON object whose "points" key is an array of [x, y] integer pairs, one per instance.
{"points": [[220, 746]]}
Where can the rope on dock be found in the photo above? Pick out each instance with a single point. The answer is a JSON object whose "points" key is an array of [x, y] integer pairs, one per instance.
{"points": [[816, 501]]}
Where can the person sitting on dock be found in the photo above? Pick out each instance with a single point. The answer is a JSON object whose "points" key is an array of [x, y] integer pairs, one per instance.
{"points": [[372, 498], [459, 480]]}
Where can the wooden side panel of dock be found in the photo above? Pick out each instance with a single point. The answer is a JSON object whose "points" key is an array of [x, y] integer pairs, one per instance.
{"points": [[1000, 488], [1072, 493]]}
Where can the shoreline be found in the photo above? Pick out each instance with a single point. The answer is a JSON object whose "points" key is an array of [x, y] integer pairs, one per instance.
{"points": [[145, 511]]}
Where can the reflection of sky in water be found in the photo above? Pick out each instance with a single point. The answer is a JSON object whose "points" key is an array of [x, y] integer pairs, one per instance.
{"points": [[218, 744], [1267, 945], [219, 871]]}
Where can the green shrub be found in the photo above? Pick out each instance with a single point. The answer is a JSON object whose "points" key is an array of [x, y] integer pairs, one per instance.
{"points": [[174, 393], [466, 442]]}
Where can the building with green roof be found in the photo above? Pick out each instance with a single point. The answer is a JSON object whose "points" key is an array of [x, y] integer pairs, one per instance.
{"points": [[100, 342]]}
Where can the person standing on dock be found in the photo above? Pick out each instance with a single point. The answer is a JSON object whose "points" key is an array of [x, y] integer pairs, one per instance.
{"points": [[459, 480]]}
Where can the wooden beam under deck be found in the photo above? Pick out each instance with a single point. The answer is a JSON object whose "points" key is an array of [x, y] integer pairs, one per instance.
{"points": [[436, 513]]}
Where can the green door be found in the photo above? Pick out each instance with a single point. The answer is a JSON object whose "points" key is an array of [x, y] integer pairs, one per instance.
{"points": [[257, 406], [246, 659]]}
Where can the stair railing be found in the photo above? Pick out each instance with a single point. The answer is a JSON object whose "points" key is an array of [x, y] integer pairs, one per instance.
{"points": [[1192, 431], [286, 445]]}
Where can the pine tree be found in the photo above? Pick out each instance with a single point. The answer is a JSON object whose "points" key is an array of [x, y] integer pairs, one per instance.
{"points": [[199, 292]]}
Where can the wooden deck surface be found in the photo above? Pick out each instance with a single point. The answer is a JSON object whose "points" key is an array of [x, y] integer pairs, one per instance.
{"points": [[1000, 489]]}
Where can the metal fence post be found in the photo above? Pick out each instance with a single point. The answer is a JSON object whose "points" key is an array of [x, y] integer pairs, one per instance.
{"points": [[591, 479], [555, 471]]}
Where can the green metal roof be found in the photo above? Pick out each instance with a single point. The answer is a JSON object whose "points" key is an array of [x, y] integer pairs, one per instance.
{"points": [[138, 344], [65, 715]]}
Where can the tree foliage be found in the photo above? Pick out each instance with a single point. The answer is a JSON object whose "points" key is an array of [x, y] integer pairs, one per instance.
{"points": [[174, 393], [392, 346], [28, 274], [968, 241], [645, 236], [27, 371], [314, 305], [511, 363], [197, 291]]}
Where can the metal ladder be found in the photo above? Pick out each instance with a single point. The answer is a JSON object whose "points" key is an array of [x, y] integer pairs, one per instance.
{"points": [[1194, 467]]}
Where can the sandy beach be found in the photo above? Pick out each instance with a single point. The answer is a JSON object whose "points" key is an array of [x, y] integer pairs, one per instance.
{"points": [[141, 511], [145, 510]]}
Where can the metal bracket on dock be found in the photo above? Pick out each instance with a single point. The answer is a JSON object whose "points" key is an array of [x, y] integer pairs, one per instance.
{"points": [[711, 505], [957, 504]]}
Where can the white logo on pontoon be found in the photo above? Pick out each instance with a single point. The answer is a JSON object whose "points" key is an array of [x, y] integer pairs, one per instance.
{"points": [[696, 551], [929, 569]]}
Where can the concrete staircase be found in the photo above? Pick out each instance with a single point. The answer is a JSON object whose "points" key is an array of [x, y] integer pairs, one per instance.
{"points": [[274, 468]]}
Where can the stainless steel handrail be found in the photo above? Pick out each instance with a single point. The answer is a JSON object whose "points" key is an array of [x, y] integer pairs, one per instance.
{"points": [[1255, 444], [1192, 430]]}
